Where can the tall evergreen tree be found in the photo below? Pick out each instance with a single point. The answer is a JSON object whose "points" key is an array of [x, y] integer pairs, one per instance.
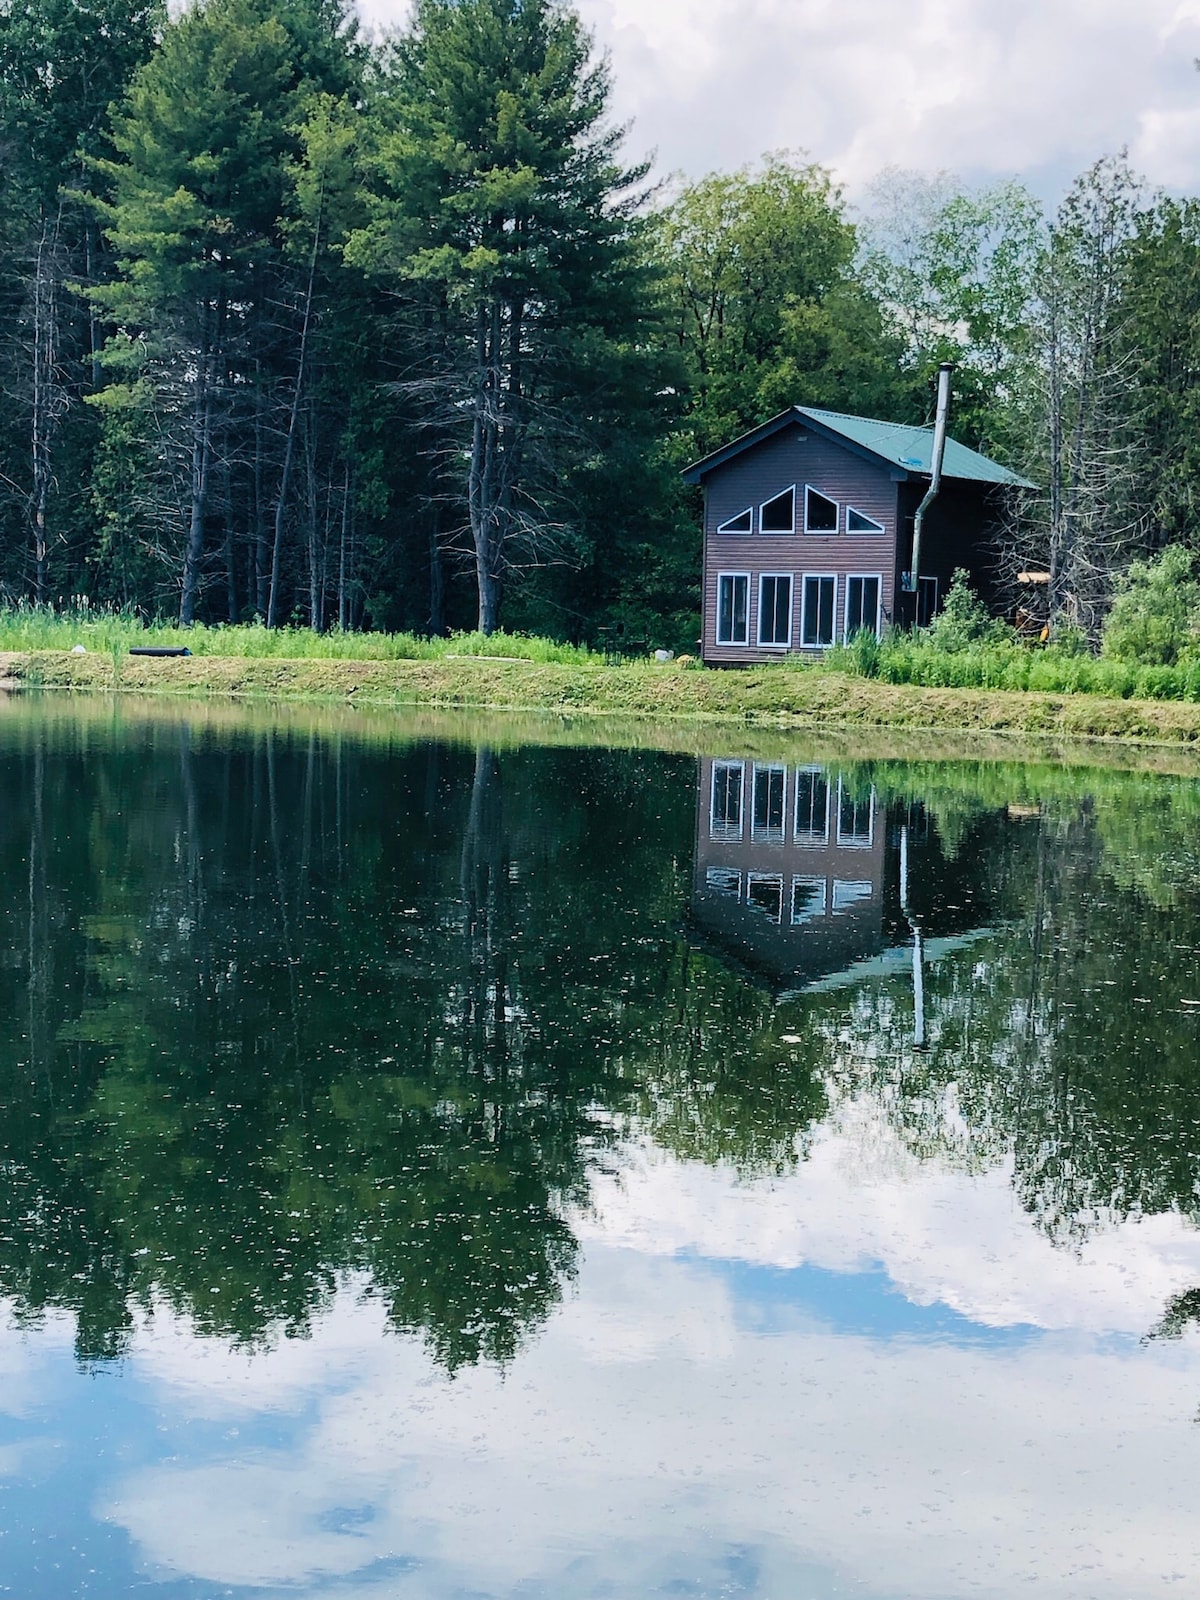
{"points": [[504, 217]]}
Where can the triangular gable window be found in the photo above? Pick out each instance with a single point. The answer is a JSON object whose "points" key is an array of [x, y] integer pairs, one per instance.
{"points": [[859, 522], [738, 524], [820, 512], [779, 515]]}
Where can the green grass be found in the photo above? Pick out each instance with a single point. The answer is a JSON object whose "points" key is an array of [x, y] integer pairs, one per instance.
{"points": [[104, 632], [1009, 664], [915, 660]]}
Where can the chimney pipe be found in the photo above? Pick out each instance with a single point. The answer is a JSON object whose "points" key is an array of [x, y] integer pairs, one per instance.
{"points": [[913, 576]]}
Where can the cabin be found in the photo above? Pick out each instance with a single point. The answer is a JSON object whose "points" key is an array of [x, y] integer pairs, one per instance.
{"points": [[804, 878], [808, 532]]}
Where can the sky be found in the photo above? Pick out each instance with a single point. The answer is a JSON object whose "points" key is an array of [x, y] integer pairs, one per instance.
{"points": [[983, 88]]}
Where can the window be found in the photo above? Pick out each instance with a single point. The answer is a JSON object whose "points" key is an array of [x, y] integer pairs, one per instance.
{"points": [[724, 880], [764, 891], [770, 803], [726, 818], [778, 515], [775, 609], [927, 601], [847, 895], [739, 524], [808, 899], [733, 608], [812, 807], [856, 819], [859, 522], [862, 606], [820, 512], [820, 599]]}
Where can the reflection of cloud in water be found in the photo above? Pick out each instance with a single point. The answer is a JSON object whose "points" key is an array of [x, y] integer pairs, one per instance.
{"points": [[652, 1436], [861, 1200]]}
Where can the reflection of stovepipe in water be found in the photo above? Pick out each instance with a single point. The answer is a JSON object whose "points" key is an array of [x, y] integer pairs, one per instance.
{"points": [[918, 948]]}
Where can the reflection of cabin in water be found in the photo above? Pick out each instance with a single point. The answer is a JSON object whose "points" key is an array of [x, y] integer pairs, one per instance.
{"points": [[798, 871]]}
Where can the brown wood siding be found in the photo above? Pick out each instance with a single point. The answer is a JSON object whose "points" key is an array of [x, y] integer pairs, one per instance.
{"points": [[795, 457]]}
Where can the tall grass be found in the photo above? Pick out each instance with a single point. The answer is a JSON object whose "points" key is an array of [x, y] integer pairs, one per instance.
{"points": [[108, 632], [1012, 664]]}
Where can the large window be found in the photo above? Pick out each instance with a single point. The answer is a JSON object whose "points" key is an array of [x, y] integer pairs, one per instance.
{"points": [[856, 819], [728, 780], [764, 891], [820, 512], [775, 609], [847, 894], [809, 899], [724, 880], [862, 606], [820, 605], [778, 515], [733, 608], [812, 807], [739, 524], [770, 803]]}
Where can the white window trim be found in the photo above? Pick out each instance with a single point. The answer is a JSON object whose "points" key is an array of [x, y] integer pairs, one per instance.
{"points": [[744, 643], [856, 841], [821, 910], [876, 531], [850, 576], [775, 643], [726, 829], [724, 527], [765, 877], [781, 533], [801, 836], [768, 834], [822, 533], [804, 577]]}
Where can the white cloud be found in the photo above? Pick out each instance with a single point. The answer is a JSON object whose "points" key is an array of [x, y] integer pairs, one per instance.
{"points": [[654, 1433], [1032, 86]]}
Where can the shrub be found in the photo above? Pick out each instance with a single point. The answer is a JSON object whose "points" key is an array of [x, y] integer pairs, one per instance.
{"points": [[1155, 618], [964, 620]]}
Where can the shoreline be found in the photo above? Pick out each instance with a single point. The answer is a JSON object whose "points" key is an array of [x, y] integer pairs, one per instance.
{"points": [[768, 699]]}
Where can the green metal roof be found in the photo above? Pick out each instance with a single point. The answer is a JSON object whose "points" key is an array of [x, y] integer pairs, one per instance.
{"points": [[902, 447], [912, 448]]}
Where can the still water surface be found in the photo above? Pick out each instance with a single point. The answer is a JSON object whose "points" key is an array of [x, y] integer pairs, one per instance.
{"points": [[445, 1170]]}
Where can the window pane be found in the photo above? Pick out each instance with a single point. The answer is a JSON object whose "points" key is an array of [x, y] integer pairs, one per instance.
{"points": [[862, 605], [859, 522], [927, 595], [775, 610], [724, 880], [769, 786], [812, 807], [779, 515], [820, 513], [847, 895], [856, 815], [738, 524], [808, 899], [732, 590], [818, 610], [826, 612], [727, 799], [765, 893]]}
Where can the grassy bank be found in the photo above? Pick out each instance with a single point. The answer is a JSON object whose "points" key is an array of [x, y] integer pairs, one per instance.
{"points": [[768, 697]]}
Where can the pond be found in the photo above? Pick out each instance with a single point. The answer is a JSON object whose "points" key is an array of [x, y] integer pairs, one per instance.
{"points": [[445, 1167]]}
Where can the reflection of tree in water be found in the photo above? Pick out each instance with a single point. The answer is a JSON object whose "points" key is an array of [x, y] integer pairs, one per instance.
{"points": [[321, 1014], [273, 1013]]}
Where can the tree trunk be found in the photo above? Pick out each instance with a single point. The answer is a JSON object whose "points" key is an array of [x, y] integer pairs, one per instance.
{"points": [[44, 409], [289, 449], [201, 467]]}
